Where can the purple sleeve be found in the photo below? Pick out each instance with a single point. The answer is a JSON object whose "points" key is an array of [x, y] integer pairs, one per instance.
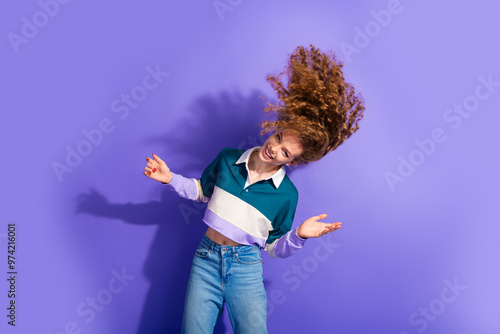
{"points": [[287, 245], [184, 187]]}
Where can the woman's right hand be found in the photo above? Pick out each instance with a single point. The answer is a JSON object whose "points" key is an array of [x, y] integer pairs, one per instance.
{"points": [[157, 169]]}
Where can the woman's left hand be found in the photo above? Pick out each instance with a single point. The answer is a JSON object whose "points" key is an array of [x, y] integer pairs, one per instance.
{"points": [[312, 228]]}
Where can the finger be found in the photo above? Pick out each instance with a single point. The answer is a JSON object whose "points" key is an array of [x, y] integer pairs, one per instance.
{"points": [[152, 164], [321, 216], [332, 227], [157, 158], [329, 230]]}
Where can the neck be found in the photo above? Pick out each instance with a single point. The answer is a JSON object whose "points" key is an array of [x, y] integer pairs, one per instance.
{"points": [[260, 167]]}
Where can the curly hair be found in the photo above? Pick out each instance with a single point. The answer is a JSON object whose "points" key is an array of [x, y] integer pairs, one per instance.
{"points": [[317, 103]]}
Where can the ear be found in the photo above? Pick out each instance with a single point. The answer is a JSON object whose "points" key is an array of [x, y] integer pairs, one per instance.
{"points": [[291, 163]]}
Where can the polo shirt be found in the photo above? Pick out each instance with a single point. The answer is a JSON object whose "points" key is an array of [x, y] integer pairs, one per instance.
{"points": [[259, 214]]}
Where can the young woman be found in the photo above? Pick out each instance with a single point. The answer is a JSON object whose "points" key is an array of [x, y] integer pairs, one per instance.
{"points": [[251, 200]]}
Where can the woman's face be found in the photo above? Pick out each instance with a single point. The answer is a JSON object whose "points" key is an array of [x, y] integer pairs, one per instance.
{"points": [[282, 148]]}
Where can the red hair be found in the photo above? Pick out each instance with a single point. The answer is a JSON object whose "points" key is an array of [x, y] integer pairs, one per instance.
{"points": [[317, 102]]}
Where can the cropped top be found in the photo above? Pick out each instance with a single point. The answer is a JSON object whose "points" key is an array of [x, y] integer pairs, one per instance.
{"points": [[259, 214]]}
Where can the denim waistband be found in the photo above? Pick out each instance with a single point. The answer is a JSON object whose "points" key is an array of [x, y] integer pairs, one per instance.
{"points": [[215, 247]]}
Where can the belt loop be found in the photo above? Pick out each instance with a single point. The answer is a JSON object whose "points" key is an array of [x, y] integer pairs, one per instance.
{"points": [[211, 247]]}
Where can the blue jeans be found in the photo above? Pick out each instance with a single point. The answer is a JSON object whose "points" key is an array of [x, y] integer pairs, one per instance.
{"points": [[225, 274]]}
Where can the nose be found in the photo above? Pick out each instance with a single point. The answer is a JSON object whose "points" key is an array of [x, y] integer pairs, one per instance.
{"points": [[274, 149]]}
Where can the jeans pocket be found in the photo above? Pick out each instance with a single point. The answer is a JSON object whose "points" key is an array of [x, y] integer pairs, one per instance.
{"points": [[249, 258], [201, 252]]}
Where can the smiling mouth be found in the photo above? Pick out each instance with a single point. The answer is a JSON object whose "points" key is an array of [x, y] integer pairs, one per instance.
{"points": [[267, 153]]}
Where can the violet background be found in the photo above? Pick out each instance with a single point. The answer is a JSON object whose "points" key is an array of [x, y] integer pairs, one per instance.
{"points": [[397, 246]]}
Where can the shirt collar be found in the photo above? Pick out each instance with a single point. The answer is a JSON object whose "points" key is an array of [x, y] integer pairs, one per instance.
{"points": [[277, 177]]}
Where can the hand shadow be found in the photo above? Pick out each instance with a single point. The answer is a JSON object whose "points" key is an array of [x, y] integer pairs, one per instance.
{"points": [[212, 123]]}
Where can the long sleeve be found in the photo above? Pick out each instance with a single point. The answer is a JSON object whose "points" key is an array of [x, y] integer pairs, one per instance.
{"points": [[287, 245], [197, 190], [188, 188]]}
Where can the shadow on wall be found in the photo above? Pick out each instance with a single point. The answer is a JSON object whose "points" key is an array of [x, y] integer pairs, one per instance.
{"points": [[210, 124]]}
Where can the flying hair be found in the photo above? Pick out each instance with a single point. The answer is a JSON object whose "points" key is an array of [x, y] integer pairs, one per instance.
{"points": [[316, 102]]}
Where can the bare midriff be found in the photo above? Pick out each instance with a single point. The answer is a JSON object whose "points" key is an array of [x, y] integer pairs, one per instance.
{"points": [[220, 238]]}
